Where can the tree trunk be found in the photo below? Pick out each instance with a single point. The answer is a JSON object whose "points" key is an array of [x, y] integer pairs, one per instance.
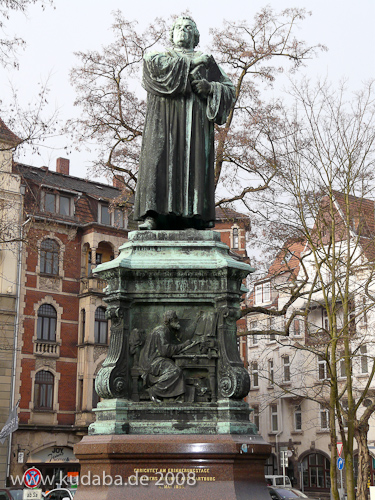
{"points": [[363, 461]]}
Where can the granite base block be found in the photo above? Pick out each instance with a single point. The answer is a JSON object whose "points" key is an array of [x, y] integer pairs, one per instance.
{"points": [[204, 467]]}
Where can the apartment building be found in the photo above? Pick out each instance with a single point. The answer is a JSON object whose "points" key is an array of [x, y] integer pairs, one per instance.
{"points": [[290, 374]]}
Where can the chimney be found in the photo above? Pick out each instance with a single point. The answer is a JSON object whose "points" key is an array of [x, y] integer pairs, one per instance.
{"points": [[62, 166], [118, 181]]}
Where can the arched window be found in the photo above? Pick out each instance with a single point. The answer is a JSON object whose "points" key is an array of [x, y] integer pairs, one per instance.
{"points": [[316, 471], [46, 327], [43, 393], [49, 257], [101, 326]]}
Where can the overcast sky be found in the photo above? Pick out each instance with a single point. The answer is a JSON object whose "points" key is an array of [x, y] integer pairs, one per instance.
{"points": [[53, 35]]}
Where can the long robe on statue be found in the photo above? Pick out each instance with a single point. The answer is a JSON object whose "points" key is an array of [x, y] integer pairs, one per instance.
{"points": [[160, 374], [176, 171]]}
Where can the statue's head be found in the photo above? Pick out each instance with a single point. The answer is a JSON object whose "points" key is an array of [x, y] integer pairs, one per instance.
{"points": [[171, 320], [184, 33]]}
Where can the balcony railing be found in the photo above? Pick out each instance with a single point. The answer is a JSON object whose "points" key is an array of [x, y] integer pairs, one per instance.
{"points": [[47, 349], [92, 285]]}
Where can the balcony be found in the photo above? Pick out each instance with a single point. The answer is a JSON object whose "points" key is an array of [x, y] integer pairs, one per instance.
{"points": [[92, 285], [46, 349]]}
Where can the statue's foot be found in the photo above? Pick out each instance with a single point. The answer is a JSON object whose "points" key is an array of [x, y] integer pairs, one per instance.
{"points": [[154, 399], [148, 224]]}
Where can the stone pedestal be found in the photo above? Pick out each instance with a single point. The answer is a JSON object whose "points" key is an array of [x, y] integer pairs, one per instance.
{"points": [[192, 273], [199, 467], [201, 444]]}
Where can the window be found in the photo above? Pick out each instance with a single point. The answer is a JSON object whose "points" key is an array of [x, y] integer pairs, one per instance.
{"points": [[342, 367], [286, 368], [43, 393], [263, 293], [323, 417], [266, 291], [271, 379], [297, 418], [105, 216], [49, 257], [316, 472], [50, 202], [297, 330], [95, 397], [364, 359], [80, 395], [271, 326], [322, 368], [325, 322], [98, 260], [255, 416], [101, 326], [57, 203], [288, 256], [121, 219], [64, 208], [363, 317], [258, 294], [254, 338], [274, 418], [46, 325], [255, 374], [83, 325], [344, 412], [235, 237]]}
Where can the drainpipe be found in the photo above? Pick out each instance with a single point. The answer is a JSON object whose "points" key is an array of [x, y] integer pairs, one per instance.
{"points": [[17, 320]]}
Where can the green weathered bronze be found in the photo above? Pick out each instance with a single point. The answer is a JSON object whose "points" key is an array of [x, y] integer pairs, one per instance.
{"points": [[174, 291], [187, 93], [173, 364]]}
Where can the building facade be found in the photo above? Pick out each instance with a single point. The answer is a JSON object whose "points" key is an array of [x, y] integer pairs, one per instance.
{"points": [[291, 373], [63, 332], [10, 246]]}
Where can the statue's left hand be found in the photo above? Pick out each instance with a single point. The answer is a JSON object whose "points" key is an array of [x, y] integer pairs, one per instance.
{"points": [[202, 87]]}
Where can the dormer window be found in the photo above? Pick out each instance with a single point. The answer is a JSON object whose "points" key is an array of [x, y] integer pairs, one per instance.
{"points": [[263, 293], [109, 217], [50, 202], [105, 216], [121, 218], [57, 203]]}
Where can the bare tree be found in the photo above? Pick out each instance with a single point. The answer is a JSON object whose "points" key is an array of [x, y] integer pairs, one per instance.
{"points": [[9, 46], [106, 83], [325, 184]]}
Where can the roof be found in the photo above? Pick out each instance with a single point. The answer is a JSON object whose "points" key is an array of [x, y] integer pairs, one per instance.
{"points": [[7, 135], [49, 178], [288, 260], [362, 221], [228, 214]]}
